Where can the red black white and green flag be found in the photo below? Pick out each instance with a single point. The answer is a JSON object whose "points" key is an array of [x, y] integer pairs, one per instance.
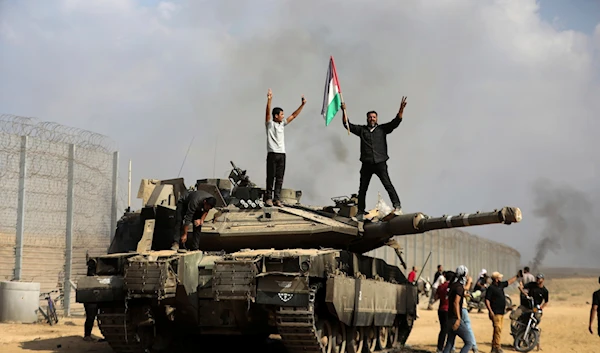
{"points": [[332, 99]]}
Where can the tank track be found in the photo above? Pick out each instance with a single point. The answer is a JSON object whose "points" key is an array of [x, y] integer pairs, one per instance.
{"points": [[118, 330], [297, 327]]}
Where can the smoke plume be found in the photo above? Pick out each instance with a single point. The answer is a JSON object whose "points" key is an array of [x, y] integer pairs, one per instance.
{"points": [[566, 213]]}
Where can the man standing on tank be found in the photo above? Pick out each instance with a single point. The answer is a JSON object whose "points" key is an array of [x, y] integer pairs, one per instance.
{"points": [[192, 209], [276, 149], [373, 154]]}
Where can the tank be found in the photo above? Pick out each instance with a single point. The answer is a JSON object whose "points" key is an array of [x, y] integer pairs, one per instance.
{"points": [[296, 273]]}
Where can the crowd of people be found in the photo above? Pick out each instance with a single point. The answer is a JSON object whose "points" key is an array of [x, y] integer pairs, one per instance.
{"points": [[451, 288]]}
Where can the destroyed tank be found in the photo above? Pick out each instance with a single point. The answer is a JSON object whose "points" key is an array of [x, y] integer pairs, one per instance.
{"points": [[294, 271]]}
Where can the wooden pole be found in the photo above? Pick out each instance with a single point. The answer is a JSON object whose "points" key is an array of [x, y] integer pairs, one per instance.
{"points": [[346, 114]]}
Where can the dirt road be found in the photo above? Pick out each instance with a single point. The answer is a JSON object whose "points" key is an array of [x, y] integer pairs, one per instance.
{"points": [[564, 327]]}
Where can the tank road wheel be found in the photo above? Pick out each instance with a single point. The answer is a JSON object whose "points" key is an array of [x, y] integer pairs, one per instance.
{"points": [[340, 338], [382, 337], [326, 336], [355, 337], [393, 335], [371, 338]]}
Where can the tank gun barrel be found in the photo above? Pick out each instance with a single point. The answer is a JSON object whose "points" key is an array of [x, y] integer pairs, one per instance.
{"points": [[415, 223]]}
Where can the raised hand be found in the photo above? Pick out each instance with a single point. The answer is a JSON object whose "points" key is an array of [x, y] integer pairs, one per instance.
{"points": [[303, 100], [402, 105], [269, 94]]}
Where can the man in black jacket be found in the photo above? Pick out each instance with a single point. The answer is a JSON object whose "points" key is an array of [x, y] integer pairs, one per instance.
{"points": [[373, 154], [192, 209]]}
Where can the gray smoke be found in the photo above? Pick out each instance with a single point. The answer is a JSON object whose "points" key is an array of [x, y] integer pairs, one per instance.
{"points": [[340, 151], [566, 213]]}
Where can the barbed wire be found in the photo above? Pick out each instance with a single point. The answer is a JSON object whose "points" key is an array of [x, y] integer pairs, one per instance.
{"points": [[47, 159]]}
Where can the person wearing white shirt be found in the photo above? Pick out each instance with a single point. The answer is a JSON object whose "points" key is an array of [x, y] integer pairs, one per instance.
{"points": [[276, 149]]}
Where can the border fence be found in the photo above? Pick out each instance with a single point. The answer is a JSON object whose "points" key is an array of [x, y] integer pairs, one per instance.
{"points": [[451, 248], [58, 188]]}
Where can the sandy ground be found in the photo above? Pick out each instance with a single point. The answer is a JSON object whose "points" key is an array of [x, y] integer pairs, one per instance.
{"points": [[564, 327]]}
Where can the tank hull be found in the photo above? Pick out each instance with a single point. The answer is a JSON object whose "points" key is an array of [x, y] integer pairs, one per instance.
{"points": [[306, 297]]}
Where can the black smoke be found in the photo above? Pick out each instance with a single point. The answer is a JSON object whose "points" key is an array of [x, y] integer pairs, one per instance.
{"points": [[566, 213]]}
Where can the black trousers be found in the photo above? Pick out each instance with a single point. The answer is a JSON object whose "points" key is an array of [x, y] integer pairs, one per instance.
{"points": [[443, 318], [275, 172], [193, 239], [91, 310], [381, 170], [179, 212]]}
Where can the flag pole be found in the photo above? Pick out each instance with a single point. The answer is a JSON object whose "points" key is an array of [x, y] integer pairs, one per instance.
{"points": [[341, 96]]}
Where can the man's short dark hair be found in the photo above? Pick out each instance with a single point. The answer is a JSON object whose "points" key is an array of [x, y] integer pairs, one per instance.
{"points": [[211, 201], [439, 266], [276, 111], [449, 275], [372, 111], [526, 268]]}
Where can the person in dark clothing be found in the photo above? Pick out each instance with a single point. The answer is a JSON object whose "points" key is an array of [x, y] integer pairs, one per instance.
{"points": [[456, 326], [373, 154], [441, 293], [496, 305], [276, 149], [440, 271], [192, 209], [537, 291], [91, 309], [595, 310]]}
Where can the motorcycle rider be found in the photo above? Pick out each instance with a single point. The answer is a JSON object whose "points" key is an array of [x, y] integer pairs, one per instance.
{"points": [[537, 291], [479, 289]]}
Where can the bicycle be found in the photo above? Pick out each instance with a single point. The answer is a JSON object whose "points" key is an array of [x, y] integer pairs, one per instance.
{"points": [[50, 314]]}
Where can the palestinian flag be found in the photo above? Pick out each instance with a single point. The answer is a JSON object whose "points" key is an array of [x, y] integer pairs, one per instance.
{"points": [[332, 97]]}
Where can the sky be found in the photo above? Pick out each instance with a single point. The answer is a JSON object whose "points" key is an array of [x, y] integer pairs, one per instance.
{"points": [[502, 96]]}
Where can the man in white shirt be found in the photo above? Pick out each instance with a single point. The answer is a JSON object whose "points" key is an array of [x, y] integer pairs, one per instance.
{"points": [[276, 149]]}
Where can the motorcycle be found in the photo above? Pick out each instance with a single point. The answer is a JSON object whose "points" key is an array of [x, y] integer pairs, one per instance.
{"points": [[525, 328], [476, 300]]}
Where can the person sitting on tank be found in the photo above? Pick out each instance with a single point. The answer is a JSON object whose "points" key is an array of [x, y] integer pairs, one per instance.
{"points": [[373, 155], [276, 149], [192, 209]]}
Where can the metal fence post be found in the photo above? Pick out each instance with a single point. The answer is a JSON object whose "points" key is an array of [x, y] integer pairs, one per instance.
{"points": [[69, 240], [113, 213], [21, 210]]}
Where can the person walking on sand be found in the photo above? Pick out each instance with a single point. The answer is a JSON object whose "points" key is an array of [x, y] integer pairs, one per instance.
{"points": [[595, 310]]}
